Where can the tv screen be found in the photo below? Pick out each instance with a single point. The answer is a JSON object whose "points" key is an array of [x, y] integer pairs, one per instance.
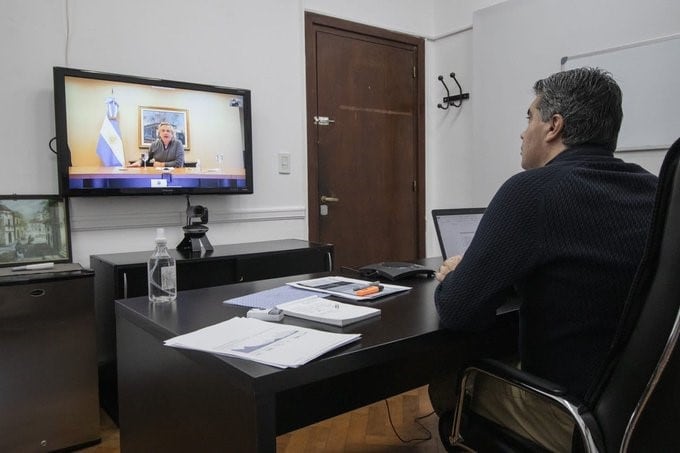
{"points": [[126, 135]]}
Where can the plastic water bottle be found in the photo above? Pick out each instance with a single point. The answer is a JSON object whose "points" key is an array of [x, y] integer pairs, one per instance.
{"points": [[162, 272]]}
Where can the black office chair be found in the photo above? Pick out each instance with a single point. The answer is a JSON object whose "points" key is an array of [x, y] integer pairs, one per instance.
{"points": [[634, 404]]}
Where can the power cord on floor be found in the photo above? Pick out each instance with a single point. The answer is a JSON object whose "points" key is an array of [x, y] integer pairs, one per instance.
{"points": [[416, 420]]}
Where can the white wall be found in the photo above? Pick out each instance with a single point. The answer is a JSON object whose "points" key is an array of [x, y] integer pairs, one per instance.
{"points": [[449, 144], [520, 41], [260, 45], [453, 16], [404, 16], [32, 42], [251, 44], [255, 45]]}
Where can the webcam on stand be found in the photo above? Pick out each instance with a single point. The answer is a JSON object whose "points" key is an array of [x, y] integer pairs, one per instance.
{"points": [[195, 230]]}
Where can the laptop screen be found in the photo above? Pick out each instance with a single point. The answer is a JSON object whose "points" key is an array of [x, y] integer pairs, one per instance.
{"points": [[455, 229]]}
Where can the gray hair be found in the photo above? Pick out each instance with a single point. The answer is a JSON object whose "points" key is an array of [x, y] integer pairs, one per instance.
{"points": [[165, 123], [588, 99]]}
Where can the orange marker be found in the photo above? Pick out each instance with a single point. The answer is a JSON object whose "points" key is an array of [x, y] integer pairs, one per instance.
{"points": [[367, 291]]}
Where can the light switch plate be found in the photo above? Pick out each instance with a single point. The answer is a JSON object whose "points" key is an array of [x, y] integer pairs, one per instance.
{"points": [[284, 163]]}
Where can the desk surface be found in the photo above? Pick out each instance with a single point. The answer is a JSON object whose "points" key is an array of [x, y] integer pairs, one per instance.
{"points": [[400, 350], [404, 317]]}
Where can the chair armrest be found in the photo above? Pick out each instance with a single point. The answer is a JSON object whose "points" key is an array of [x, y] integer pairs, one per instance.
{"points": [[553, 394], [519, 378]]}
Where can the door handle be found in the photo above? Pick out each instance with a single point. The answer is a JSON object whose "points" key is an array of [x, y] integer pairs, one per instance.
{"points": [[323, 120], [325, 199]]}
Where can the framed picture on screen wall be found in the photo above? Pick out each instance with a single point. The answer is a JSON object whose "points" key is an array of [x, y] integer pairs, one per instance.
{"points": [[151, 117]]}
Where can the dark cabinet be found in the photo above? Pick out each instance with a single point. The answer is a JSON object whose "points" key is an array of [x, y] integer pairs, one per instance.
{"points": [[48, 378], [123, 275], [283, 263]]}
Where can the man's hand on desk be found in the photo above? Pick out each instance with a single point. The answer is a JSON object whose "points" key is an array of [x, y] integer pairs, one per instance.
{"points": [[447, 266]]}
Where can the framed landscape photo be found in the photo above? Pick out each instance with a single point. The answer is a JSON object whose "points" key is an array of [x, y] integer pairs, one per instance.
{"points": [[151, 117], [34, 229]]}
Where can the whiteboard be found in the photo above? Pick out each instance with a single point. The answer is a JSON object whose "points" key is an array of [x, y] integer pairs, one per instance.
{"points": [[648, 73]]}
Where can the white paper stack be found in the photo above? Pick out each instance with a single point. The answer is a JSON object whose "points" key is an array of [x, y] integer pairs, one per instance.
{"points": [[273, 344], [327, 311], [346, 287]]}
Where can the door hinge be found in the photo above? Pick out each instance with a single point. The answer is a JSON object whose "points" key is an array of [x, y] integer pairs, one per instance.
{"points": [[323, 120], [415, 185], [414, 72]]}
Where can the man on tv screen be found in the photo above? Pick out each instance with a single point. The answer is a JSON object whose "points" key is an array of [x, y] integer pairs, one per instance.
{"points": [[165, 151]]}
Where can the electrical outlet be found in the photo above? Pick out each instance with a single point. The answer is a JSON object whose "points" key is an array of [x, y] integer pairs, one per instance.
{"points": [[284, 163]]}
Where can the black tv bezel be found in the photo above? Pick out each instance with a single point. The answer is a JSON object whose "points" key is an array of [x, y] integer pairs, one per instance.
{"points": [[64, 153]]}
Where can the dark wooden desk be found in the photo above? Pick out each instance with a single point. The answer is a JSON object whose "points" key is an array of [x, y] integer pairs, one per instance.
{"points": [[122, 275], [180, 400]]}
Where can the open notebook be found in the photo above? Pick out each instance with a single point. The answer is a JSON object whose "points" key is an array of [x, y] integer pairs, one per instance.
{"points": [[455, 229]]}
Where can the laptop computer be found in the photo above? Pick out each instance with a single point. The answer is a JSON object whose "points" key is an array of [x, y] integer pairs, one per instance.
{"points": [[455, 229]]}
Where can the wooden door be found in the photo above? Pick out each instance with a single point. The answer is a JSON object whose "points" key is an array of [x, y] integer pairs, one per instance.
{"points": [[366, 162]]}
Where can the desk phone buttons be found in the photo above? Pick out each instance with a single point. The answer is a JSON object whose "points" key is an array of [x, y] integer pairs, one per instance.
{"points": [[265, 314]]}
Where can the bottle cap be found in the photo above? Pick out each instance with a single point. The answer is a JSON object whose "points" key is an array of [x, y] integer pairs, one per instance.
{"points": [[160, 234]]}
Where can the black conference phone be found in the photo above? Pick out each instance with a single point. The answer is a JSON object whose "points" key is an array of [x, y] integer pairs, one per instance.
{"points": [[395, 270]]}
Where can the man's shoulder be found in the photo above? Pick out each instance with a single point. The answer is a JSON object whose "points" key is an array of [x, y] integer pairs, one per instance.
{"points": [[533, 178], [522, 191]]}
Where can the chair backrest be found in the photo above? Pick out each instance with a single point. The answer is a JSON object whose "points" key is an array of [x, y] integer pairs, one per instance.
{"points": [[654, 424], [647, 324]]}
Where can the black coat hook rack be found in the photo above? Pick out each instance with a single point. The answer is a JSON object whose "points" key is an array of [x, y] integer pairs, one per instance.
{"points": [[456, 100]]}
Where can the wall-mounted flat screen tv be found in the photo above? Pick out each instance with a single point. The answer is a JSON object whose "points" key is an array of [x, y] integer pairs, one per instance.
{"points": [[127, 135]]}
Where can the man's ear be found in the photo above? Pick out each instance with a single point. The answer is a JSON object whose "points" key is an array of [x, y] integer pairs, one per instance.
{"points": [[556, 127]]}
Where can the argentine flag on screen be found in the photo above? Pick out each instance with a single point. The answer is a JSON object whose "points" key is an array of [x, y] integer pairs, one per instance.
{"points": [[110, 144]]}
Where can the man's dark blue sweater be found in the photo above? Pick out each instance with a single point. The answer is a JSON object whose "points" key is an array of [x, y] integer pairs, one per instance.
{"points": [[568, 238]]}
